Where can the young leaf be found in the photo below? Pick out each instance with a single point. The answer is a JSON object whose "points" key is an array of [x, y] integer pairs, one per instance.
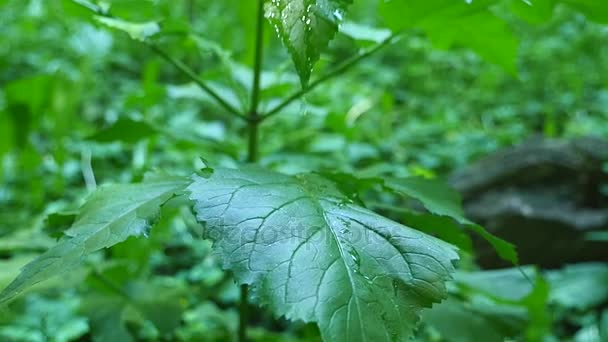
{"points": [[309, 253], [306, 27], [111, 215]]}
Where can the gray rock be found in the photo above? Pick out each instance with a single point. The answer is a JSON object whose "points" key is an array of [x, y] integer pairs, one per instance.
{"points": [[543, 196]]}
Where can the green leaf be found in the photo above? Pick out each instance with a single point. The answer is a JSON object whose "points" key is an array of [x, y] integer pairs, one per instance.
{"points": [[581, 286], [458, 321], [111, 215], [450, 23], [536, 11], [106, 317], [442, 227], [125, 130], [438, 198], [137, 31], [597, 236], [360, 32], [311, 254], [596, 10], [507, 284], [306, 27], [57, 223]]}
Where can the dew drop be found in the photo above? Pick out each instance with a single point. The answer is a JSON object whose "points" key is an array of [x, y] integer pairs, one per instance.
{"points": [[356, 258]]}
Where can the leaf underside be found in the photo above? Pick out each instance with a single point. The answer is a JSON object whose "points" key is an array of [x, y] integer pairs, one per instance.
{"points": [[111, 215], [311, 254], [305, 27]]}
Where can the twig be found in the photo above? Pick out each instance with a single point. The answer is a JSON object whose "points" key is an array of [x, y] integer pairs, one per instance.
{"points": [[344, 66]]}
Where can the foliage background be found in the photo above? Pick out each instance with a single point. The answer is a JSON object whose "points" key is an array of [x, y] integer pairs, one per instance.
{"points": [[75, 94]]}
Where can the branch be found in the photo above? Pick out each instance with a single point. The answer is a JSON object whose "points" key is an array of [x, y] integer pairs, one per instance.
{"points": [[340, 69], [192, 75], [177, 63]]}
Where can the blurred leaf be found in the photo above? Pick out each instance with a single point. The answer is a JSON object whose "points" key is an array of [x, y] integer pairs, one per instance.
{"points": [[107, 322], [534, 11], [458, 322], [7, 139], [24, 240], [110, 215], [597, 236], [125, 130], [537, 11], [456, 22], [438, 198], [266, 227], [581, 286], [137, 31], [9, 268], [442, 227], [362, 32], [306, 27], [58, 223], [540, 317], [162, 305], [207, 322], [593, 9], [47, 320], [507, 283]]}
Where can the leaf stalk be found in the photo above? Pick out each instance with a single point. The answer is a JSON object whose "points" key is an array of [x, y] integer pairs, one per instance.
{"points": [[338, 70]]}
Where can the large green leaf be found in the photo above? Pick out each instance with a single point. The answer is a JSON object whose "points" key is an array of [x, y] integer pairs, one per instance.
{"points": [[111, 215], [311, 254], [456, 23], [306, 27]]}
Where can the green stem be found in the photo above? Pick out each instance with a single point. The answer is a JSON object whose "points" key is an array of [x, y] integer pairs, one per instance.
{"points": [[177, 63], [340, 69], [190, 9], [257, 71], [252, 148], [192, 75], [243, 313]]}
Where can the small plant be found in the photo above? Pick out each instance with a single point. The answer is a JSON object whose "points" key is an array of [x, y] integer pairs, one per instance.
{"points": [[305, 246]]}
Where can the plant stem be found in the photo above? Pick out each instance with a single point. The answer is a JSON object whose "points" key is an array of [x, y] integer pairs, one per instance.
{"points": [[243, 313], [192, 75], [340, 69], [190, 9], [252, 148], [257, 71], [177, 63]]}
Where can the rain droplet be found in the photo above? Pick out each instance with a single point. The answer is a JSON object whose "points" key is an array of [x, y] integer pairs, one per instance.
{"points": [[356, 257]]}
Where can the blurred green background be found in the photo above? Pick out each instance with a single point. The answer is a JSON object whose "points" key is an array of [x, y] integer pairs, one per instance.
{"points": [[77, 97]]}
